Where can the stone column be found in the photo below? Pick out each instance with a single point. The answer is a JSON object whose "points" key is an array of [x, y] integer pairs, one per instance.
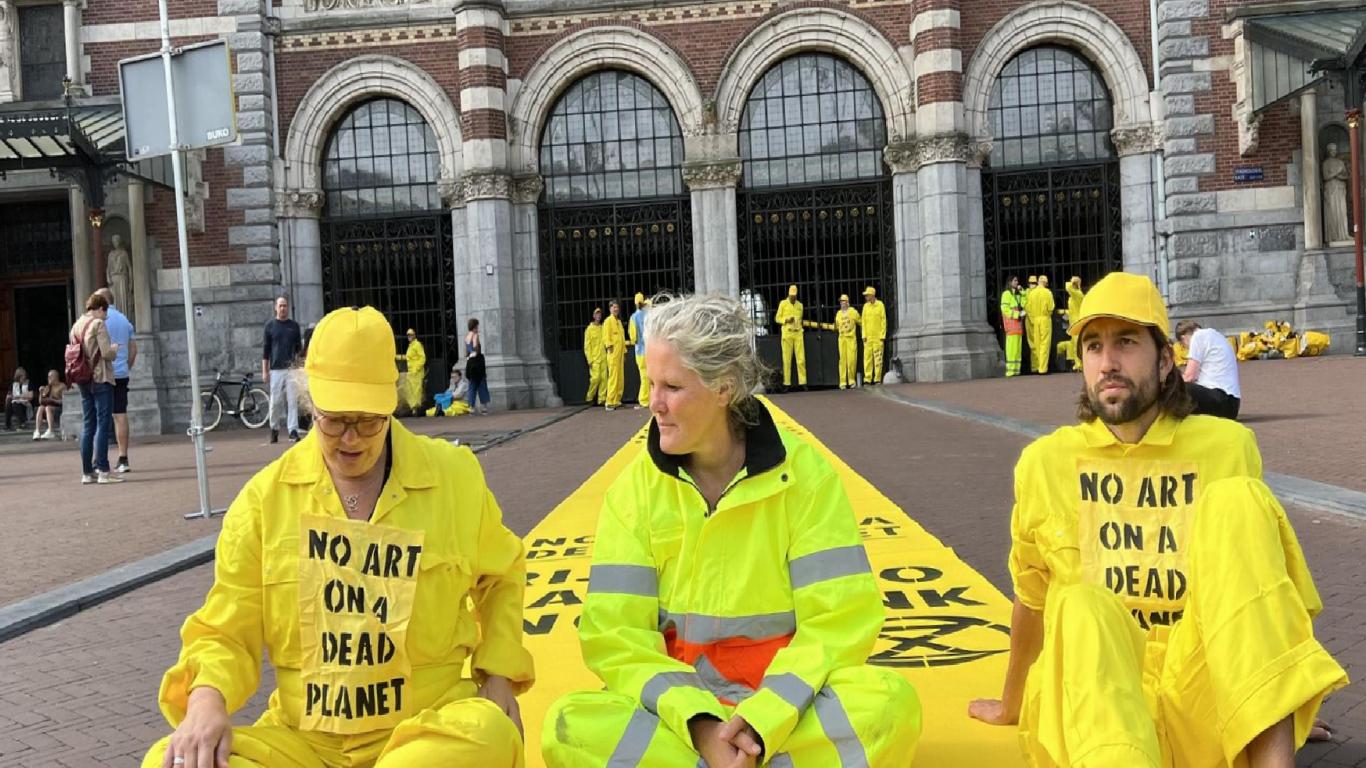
{"points": [[9, 49], [298, 211], [901, 160], [1136, 147], [71, 28], [1311, 189], [137, 249], [526, 261], [715, 235], [82, 260]]}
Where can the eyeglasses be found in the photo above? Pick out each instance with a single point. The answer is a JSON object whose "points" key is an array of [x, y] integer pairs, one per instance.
{"points": [[335, 426]]}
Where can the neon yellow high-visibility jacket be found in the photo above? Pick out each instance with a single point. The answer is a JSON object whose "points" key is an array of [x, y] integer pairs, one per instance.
{"points": [[789, 311], [847, 322], [613, 336], [754, 603], [593, 350], [874, 321], [435, 497]]}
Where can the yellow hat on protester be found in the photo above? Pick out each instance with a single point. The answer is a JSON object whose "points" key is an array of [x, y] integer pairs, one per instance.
{"points": [[1123, 296], [870, 291], [844, 297], [1033, 279], [640, 298], [792, 290], [411, 332], [350, 363]]}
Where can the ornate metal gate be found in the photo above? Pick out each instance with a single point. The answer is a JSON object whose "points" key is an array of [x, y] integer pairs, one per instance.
{"points": [[591, 255], [402, 267]]}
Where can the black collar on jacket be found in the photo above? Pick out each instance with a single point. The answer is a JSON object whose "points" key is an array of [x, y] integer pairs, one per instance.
{"points": [[764, 448]]}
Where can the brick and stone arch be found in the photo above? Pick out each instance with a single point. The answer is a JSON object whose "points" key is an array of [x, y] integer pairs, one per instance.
{"points": [[825, 30], [589, 50], [1067, 23], [351, 82]]}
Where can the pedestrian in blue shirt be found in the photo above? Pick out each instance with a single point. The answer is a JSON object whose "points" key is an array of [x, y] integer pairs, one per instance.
{"points": [[121, 333]]}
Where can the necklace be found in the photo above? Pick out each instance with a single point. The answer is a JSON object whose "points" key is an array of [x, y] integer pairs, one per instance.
{"points": [[352, 502]]}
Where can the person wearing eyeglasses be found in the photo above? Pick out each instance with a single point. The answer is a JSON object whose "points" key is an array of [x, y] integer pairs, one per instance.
{"points": [[371, 564]]}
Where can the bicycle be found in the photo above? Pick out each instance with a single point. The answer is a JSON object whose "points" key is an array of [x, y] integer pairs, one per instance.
{"points": [[253, 404]]}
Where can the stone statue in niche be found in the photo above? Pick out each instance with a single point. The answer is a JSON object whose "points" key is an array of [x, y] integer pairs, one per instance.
{"points": [[1336, 175], [120, 276]]}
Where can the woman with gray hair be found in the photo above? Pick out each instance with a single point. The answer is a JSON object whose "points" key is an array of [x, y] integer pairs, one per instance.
{"points": [[731, 607]]}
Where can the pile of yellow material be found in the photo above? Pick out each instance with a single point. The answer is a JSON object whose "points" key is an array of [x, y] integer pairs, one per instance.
{"points": [[1279, 340]]}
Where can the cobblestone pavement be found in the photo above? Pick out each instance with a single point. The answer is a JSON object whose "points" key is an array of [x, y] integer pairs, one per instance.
{"points": [[101, 528], [1308, 413], [70, 696]]}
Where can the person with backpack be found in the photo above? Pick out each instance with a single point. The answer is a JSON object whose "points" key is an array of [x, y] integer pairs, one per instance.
{"points": [[90, 367]]}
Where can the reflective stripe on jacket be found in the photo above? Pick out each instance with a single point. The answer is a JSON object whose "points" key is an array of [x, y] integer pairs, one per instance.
{"points": [[754, 603]]}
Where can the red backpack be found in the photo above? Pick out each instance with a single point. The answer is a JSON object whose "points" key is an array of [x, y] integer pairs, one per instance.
{"points": [[78, 366]]}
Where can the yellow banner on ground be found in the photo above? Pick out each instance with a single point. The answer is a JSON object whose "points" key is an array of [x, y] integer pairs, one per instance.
{"points": [[947, 627]]}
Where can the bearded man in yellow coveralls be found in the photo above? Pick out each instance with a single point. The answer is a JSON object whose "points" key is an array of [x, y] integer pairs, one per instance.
{"points": [[596, 356], [874, 334], [846, 324], [789, 318], [1163, 608], [1039, 322], [614, 344], [372, 565]]}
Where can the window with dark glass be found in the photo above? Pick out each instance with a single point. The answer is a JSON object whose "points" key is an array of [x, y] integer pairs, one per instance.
{"points": [[1049, 106], [42, 51], [611, 136], [382, 159], [812, 118]]}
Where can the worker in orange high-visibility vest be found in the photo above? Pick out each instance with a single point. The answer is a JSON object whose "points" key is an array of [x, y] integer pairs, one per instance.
{"points": [[731, 607]]}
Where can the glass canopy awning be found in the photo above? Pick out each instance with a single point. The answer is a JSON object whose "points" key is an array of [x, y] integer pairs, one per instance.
{"points": [[1292, 46], [82, 136]]}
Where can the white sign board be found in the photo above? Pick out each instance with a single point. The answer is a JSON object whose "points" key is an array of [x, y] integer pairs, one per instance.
{"points": [[206, 113]]}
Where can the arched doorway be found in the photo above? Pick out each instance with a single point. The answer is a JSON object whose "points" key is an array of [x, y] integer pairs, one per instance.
{"points": [[815, 203], [386, 236], [1050, 189], [614, 216]]}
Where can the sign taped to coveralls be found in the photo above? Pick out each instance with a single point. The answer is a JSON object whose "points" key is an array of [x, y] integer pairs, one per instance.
{"points": [[356, 587], [947, 627]]}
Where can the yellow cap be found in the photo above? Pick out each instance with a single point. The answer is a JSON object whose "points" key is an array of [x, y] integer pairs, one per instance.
{"points": [[597, 310], [844, 297], [640, 298], [1033, 279], [411, 332], [870, 291], [1123, 296], [350, 363], [792, 290]]}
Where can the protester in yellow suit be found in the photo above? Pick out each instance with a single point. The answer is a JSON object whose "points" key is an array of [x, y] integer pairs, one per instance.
{"points": [[874, 334], [1074, 297], [1163, 608], [596, 356], [614, 345], [846, 324], [1012, 324], [1039, 318], [789, 318], [731, 608], [371, 564], [637, 339], [414, 391]]}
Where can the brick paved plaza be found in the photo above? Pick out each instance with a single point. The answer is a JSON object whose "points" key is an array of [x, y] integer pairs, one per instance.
{"points": [[82, 691]]}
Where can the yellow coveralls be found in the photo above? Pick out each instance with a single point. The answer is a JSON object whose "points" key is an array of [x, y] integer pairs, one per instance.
{"points": [[369, 624], [1012, 322], [847, 323], [614, 343], [789, 318], [414, 390], [1176, 603], [1074, 297], [874, 334], [637, 339], [596, 356], [764, 608], [1039, 313]]}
